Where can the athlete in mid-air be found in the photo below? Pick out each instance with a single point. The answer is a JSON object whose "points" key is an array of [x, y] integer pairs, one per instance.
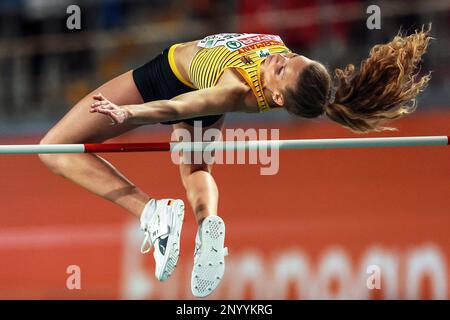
{"points": [[203, 80]]}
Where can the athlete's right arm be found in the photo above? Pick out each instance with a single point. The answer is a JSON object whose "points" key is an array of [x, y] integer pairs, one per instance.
{"points": [[210, 101]]}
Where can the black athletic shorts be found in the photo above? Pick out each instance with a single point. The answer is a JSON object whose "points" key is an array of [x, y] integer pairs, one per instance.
{"points": [[156, 81]]}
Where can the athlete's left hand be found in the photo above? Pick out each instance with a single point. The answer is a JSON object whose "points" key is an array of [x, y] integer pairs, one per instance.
{"points": [[118, 114]]}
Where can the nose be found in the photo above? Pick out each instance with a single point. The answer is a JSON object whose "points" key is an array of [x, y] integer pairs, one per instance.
{"points": [[279, 58], [282, 57], [276, 58]]}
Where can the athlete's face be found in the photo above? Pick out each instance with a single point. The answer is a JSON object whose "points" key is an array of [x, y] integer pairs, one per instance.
{"points": [[281, 71]]}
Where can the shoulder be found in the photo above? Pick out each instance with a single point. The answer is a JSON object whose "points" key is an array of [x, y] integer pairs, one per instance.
{"points": [[232, 82], [235, 91], [238, 94], [238, 90], [229, 95]]}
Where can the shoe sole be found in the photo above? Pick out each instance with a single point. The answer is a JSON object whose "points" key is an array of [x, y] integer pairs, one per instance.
{"points": [[210, 266], [173, 242]]}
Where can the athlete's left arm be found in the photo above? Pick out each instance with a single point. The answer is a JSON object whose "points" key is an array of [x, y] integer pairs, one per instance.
{"points": [[211, 101]]}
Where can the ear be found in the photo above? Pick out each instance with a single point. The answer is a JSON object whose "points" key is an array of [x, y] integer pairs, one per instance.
{"points": [[278, 98]]}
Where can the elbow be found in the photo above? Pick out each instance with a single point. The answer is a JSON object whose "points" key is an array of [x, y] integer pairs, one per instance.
{"points": [[170, 111]]}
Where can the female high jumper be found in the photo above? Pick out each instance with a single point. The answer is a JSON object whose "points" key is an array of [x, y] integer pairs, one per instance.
{"points": [[203, 80]]}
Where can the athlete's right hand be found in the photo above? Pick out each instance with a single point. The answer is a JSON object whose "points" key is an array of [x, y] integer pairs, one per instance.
{"points": [[118, 114]]}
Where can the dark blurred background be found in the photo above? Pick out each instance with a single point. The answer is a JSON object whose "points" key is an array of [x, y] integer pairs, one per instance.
{"points": [[309, 232], [46, 68]]}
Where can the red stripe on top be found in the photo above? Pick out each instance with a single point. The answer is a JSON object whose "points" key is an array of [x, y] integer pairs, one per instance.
{"points": [[126, 147]]}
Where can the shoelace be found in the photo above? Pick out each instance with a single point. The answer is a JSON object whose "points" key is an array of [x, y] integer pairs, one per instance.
{"points": [[145, 241]]}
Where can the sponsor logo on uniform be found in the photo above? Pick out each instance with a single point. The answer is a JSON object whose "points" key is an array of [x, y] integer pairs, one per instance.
{"points": [[246, 60], [210, 43], [242, 42], [233, 44], [263, 53], [259, 38], [260, 45]]}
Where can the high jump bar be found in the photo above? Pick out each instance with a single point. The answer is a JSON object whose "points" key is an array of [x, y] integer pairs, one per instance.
{"points": [[227, 145]]}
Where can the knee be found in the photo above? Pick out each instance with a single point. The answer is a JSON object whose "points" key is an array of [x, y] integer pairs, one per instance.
{"points": [[51, 161], [195, 181], [186, 170]]}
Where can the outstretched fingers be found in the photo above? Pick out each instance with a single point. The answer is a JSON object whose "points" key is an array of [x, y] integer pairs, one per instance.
{"points": [[118, 114], [99, 97], [101, 104]]}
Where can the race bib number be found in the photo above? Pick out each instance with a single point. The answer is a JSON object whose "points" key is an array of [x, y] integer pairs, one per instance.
{"points": [[243, 42]]}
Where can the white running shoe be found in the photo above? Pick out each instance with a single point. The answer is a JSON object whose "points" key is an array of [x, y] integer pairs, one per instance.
{"points": [[161, 222], [209, 257]]}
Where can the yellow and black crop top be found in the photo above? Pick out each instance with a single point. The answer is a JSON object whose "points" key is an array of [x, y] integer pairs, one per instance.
{"points": [[241, 51]]}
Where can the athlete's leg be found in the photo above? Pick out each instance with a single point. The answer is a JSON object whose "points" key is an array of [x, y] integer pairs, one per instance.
{"points": [[202, 193], [201, 189], [89, 170]]}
